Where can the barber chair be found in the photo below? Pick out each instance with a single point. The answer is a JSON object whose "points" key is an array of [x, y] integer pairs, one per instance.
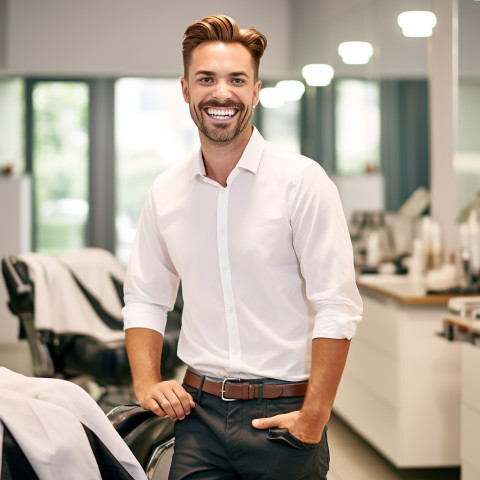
{"points": [[69, 307], [150, 438], [51, 428]]}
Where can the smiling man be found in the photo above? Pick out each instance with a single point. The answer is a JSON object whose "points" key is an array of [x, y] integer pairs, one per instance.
{"points": [[221, 87], [258, 238], [219, 117]]}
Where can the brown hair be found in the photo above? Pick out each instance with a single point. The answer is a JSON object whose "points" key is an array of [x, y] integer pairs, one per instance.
{"points": [[220, 28]]}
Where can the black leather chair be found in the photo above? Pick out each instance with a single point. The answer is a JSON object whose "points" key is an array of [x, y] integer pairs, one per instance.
{"points": [[69, 354], [150, 438]]}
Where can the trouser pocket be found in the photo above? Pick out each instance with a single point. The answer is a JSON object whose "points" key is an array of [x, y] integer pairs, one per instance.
{"points": [[283, 436]]}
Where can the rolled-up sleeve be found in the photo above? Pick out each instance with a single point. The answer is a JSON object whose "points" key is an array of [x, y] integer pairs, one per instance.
{"points": [[151, 281], [324, 250]]}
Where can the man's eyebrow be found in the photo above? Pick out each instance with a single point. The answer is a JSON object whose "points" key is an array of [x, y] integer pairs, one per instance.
{"points": [[212, 74], [205, 72]]}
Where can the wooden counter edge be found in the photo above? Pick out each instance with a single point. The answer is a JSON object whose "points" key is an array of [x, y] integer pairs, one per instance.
{"points": [[414, 300], [464, 323]]}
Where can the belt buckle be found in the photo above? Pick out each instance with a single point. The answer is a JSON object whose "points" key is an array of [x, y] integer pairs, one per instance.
{"points": [[228, 379]]}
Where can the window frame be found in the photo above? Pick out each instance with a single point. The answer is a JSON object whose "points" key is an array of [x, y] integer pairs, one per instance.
{"points": [[100, 225]]}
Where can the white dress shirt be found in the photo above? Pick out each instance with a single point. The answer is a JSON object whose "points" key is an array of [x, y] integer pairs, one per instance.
{"points": [[266, 264]]}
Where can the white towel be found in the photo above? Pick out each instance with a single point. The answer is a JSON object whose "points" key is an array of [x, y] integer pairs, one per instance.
{"points": [[45, 417], [59, 303], [94, 267]]}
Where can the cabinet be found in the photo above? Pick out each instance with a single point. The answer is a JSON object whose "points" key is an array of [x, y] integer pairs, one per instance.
{"points": [[470, 412], [467, 332], [401, 385]]}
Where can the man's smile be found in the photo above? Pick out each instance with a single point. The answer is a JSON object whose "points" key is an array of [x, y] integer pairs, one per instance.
{"points": [[221, 113]]}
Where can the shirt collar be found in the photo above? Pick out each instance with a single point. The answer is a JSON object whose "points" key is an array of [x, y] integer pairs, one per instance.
{"points": [[250, 159]]}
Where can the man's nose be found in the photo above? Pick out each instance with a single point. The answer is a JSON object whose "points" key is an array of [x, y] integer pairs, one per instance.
{"points": [[221, 90]]}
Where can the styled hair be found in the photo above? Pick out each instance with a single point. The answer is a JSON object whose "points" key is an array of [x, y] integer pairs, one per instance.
{"points": [[220, 28]]}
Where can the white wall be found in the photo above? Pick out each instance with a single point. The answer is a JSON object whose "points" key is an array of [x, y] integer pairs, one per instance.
{"points": [[3, 22], [14, 239], [360, 193], [320, 26], [123, 37], [468, 38]]}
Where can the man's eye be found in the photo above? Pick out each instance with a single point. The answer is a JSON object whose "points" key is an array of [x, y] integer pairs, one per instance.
{"points": [[206, 80], [238, 81]]}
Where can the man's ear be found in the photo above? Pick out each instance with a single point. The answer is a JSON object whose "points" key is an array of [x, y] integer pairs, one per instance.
{"points": [[185, 89], [256, 92]]}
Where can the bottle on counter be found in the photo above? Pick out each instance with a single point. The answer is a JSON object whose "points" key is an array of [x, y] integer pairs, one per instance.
{"points": [[474, 244], [417, 263]]}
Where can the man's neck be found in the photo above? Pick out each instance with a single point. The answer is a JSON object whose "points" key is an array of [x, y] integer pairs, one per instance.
{"points": [[221, 158]]}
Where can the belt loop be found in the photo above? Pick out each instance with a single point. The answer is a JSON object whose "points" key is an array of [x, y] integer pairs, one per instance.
{"points": [[260, 393], [200, 388], [246, 391]]}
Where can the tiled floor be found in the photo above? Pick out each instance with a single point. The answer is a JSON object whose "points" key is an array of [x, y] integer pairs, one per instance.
{"points": [[351, 458]]}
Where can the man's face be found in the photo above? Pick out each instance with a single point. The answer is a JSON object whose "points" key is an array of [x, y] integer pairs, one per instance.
{"points": [[221, 90]]}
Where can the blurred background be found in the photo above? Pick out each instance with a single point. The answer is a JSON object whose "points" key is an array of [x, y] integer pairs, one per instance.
{"points": [[91, 108], [91, 112]]}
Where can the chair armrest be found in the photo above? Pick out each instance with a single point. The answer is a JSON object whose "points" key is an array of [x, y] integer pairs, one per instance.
{"points": [[126, 418]]}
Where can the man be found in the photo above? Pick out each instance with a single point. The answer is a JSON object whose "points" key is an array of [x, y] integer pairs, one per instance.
{"points": [[258, 238]]}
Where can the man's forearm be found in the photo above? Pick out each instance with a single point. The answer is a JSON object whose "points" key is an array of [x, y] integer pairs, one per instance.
{"points": [[144, 348], [328, 361]]}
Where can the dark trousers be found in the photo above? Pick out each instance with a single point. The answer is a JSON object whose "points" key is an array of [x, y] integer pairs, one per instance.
{"points": [[217, 442]]}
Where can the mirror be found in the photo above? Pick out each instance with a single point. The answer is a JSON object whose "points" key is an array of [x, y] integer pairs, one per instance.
{"points": [[467, 150]]}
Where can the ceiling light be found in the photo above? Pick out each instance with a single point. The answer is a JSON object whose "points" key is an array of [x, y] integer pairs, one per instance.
{"points": [[291, 90], [355, 53], [417, 24], [271, 98], [317, 74]]}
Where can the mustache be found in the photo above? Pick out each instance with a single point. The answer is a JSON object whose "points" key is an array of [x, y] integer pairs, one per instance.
{"points": [[217, 104]]}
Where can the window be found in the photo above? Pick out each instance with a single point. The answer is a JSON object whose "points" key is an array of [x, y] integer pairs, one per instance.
{"points": [[467, 151], [357, 127], [282, 125], [60, 164], [149, 130], [153, 130]]}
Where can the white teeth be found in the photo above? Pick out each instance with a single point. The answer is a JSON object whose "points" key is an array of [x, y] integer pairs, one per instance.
{"points": [[220, 113]]}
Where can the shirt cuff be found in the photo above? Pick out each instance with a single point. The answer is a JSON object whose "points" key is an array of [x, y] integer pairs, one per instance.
{"points": [[139, 315], [335, 326]]}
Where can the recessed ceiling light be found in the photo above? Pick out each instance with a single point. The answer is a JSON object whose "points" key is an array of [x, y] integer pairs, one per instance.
{"points": [[417, 23], [291, 90], [270, 97], [317, 74], [355, 53]]}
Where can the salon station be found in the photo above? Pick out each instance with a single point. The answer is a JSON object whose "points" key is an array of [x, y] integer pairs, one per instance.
{"points": [[388, 102]]}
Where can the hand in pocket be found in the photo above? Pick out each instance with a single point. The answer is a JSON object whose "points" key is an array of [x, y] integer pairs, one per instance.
{"points": [[283, 436]]}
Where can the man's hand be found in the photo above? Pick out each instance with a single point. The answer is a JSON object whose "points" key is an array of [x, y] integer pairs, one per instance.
{"points": [[328, 360], [295, 423], [166, 398], [144, 347]]}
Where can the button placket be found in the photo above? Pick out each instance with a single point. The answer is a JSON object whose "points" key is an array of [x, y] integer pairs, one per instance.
{"points": [[226, 281]]}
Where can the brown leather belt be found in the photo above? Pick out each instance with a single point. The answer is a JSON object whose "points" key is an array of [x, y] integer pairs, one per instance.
{"points": [[241, 389]]}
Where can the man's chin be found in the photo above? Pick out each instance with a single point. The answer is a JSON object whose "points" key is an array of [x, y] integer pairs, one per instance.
{"points": [[220, 135], [218, 139]]}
